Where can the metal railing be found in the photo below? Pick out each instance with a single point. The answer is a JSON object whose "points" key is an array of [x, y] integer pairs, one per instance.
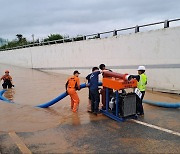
{"points": [[94, 36]]}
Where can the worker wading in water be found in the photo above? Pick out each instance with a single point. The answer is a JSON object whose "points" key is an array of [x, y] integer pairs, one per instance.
{"points": [[72, 85], [7, 80]]}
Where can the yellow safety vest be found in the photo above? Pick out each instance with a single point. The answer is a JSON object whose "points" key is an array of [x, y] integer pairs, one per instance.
{"points": [[142, 82]]}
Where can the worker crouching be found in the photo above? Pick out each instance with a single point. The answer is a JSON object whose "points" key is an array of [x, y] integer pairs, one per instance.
{"points": [[72, 85], [7, 80]]}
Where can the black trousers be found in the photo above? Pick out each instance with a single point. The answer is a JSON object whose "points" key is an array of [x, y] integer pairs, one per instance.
{"points": [[95, 99], [139, 106], [7, 84]]}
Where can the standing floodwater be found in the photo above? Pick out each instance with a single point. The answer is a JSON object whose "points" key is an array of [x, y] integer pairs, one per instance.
{"points": [[33, 87], [58, 130], [10, 94]]}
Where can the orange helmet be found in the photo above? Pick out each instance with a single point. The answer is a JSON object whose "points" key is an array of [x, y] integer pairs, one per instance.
{"points": [[6, 71]]}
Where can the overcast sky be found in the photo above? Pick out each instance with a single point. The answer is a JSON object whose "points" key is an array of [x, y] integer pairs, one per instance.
{"points": [[79, 17]]}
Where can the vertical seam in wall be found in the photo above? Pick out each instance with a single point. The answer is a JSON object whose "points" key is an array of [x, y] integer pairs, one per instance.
{"points": [[31, 58]]}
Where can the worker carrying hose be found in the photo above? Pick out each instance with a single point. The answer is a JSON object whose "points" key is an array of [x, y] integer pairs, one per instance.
{"points": [[7, 80], [141, 88], [73, 84]]}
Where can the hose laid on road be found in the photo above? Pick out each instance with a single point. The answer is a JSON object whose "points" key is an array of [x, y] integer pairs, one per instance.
{"points": [[162, 104], [46, 105], [60, 97], [63, 95], [2, 97], [55, 100]]}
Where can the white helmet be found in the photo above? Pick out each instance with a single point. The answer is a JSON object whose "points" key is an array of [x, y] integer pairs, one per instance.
{"points": [[141, 68]]}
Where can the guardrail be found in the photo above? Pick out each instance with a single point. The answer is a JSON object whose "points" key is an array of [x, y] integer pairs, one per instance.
{"points": [[94, 36]]}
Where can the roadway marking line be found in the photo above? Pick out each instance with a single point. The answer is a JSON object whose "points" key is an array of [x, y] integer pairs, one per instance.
{"points": [[156, 127], [22, 147]]}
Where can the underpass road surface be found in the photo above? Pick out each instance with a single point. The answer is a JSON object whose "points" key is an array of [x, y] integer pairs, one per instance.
{"points": [[28, 129]]}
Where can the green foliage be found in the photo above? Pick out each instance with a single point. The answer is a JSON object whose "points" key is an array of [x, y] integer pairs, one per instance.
{"points": [[15, 43], [20, 40], [53, 37], [3, 42], [20, 37], [12, 44], [3, 46]]}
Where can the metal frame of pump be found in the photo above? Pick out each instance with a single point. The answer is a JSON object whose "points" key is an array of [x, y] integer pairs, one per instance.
{"points": [[116, 81]]}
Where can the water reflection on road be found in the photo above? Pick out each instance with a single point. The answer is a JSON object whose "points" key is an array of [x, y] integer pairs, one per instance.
{"points": [[9, 94], [34, 87]]}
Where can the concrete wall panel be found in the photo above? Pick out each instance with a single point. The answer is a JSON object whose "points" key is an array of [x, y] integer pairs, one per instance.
{"points": [[158, 50]]}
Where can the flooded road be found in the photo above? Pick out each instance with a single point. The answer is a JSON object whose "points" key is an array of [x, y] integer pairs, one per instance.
{"points": [[34, 87], [58, 130]]}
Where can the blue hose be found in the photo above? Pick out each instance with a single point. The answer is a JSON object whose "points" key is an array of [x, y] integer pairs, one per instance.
{"points": [[162, 104], [2, 97], [1, 93], [46, 105], [63, 95]]}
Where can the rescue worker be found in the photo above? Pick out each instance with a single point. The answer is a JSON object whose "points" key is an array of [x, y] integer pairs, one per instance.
{"points": [[103, 92], [72, 85], [87, 81], [94, 90], [7, 80], [142, 82]]}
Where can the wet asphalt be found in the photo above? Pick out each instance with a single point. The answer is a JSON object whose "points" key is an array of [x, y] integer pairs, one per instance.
{"points": [[58, 130]]}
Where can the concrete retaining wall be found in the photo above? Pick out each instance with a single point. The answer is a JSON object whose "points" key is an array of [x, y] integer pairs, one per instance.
{"points": [[158, 50]]}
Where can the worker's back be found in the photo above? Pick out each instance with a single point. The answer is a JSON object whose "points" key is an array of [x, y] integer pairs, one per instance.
{"points": [[73, 82]]}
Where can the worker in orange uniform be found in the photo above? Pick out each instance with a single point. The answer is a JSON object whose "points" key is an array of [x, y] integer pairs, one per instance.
{"points": [[72, 85], [7, 80]]}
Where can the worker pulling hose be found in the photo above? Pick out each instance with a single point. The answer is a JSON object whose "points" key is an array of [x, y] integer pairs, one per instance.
{"points": [[60, 97], [63, 95]]}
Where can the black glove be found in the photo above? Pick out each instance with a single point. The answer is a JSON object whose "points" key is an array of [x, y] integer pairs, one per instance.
{"points": [[130, 77]]}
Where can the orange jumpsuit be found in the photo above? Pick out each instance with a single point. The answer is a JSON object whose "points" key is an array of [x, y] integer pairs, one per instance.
{"points": [[73, 84], [7, 81], [6, 77]]}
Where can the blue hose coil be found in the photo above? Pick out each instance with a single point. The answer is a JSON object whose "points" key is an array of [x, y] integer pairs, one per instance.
{"points": [[2, 97]]}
